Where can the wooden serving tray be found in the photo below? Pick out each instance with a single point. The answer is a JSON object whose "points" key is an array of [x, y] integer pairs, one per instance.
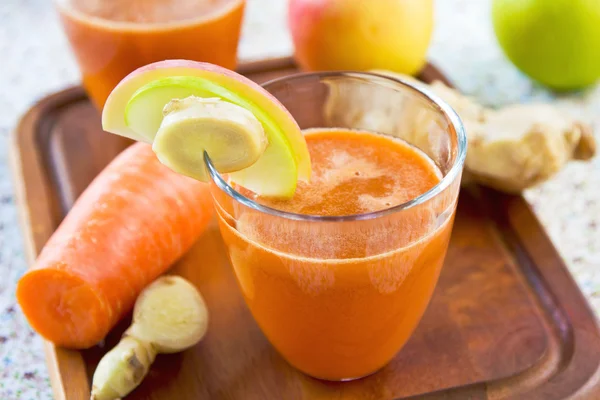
{"points": [[506, 320]]}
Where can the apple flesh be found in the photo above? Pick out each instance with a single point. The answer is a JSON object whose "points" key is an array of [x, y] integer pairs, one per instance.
{"points": [[555, 42], [361, 35], [134, 110]]}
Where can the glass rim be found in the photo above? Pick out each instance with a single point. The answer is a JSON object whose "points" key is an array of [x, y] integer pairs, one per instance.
{"points": [[142, 27], [441, 106]]}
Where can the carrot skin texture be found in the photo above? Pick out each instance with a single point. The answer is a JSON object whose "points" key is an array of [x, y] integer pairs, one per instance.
{"points": [[127, 228]]}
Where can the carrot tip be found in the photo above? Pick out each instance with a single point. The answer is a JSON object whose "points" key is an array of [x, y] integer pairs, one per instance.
{"points": [[62, 308]]}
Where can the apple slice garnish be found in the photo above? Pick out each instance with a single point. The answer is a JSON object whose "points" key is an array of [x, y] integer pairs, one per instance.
{"points": [[134, 109]]}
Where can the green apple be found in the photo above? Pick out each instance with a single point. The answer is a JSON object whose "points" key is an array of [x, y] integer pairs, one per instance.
{"points": [[555, 42]]}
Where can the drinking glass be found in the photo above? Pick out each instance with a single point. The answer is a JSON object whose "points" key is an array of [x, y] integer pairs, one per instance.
{"points": [[108, 48], [338, 296]]}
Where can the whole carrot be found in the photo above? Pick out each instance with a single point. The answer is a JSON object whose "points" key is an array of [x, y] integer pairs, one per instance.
{"points": [[133, 221]]}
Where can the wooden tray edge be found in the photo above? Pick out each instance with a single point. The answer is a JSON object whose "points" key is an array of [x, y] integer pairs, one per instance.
{"points": [[525, 236], [576, 327], [57, 359]]}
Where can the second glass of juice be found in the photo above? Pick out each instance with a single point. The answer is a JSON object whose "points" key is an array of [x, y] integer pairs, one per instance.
{"points": [[339, 276], [111, 38]]}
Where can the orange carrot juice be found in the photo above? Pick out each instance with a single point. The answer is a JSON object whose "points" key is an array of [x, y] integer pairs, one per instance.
{"points": [[337, 298], [111, 38]]}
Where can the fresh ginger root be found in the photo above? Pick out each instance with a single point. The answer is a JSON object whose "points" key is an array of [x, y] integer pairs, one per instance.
{"points": [[169, 316], [510, 149], [518, 146]]}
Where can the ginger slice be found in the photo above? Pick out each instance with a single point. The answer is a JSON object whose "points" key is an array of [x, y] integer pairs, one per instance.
{"points": [[232, 136], [510, 149]]}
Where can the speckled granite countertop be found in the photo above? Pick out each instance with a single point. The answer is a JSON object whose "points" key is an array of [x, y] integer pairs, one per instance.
{"points": [[36, 61]]}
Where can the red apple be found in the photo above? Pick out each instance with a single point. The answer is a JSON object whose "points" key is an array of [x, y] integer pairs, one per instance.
{"points": [[361, 34]]}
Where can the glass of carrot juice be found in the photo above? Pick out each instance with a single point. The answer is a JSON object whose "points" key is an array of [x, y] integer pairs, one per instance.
{"points": [[111, 38], [339, 276]]}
